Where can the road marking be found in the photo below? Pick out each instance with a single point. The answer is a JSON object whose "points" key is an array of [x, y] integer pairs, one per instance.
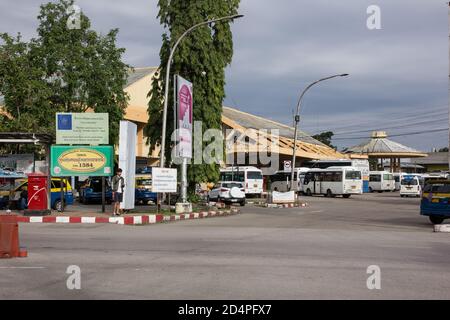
{"points": [[23, 267], [317, 211]]}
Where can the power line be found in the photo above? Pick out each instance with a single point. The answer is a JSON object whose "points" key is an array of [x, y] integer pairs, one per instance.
{"points": [[394, 127], [396, 135]]}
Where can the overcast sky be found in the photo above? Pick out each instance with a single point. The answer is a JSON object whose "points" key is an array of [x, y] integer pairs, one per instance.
{"points": [[398, 75]]}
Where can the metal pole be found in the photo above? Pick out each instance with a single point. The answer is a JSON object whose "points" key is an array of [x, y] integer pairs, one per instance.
{"points": [[103, 195], [61, 183], [297, 120], [184, 181], [166, 90]]}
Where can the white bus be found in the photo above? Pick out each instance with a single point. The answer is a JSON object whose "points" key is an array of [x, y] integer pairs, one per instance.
{"points": [[333, 181], [411, 185], [251, 177], [360, 164], [381, 181], [281, 180]]}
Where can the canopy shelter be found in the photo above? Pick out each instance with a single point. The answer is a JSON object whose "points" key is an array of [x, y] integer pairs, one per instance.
{"points": [[44, 139], [380, 148]]}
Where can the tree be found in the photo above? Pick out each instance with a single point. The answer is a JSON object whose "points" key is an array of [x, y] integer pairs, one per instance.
{"points": [[201, 58], [445, 149], [325, 138], [61, 70]]}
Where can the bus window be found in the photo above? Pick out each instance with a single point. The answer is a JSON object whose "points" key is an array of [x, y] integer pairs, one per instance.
{"points": [[353, 175]]}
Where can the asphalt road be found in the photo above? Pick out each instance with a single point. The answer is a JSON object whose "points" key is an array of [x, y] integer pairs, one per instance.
{"points": [[319, 252]]}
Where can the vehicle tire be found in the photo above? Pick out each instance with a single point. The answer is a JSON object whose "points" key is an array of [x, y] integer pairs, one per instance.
{"points": [[346, 196], [402, 195], [242, 203], [370, 190], [58, 205], [329, 194], [436, 219], [308, 192]]}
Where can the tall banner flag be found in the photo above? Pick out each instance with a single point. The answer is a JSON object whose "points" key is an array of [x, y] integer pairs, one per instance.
{"points": [[185, 104]]}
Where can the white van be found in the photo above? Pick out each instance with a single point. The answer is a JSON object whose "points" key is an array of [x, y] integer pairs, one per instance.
{"points": [[411, 185], [251, 177], [381, 181], [333, 181], [281, 180]]}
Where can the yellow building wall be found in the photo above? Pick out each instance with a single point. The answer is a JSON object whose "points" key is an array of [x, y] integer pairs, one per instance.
{"points": [[137, 111]]}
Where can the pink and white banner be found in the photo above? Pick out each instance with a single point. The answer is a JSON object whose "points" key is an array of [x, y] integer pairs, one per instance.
{"points": [[185, 103]]}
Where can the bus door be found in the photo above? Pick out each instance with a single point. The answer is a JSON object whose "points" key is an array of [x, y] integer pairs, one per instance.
{"points": [[317, 184]]}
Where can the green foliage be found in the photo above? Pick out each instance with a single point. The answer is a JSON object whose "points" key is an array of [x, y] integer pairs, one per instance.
{"points": [[445, 149], [62, 70], [201, 58], [325, 138]]}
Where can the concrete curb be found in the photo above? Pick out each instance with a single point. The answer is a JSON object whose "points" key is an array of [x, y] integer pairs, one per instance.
{"points": [[442, 228], [130, 220]]}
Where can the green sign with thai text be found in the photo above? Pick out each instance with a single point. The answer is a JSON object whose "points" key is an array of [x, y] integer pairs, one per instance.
{"points": [[81, 161]]}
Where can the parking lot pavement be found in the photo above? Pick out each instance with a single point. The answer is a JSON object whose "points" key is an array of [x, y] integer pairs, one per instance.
{"points": [[318, 252]]}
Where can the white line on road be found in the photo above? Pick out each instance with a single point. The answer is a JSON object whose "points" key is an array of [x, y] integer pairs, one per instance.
{"points": [[23, 267]]}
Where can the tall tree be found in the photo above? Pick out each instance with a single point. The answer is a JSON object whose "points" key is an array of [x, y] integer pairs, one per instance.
{"points": [[201, 58], [61, 70], [325, 138]]}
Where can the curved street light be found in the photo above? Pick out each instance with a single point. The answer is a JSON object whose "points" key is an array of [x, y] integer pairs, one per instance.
{"points": [[297, 120], [169, 62]]}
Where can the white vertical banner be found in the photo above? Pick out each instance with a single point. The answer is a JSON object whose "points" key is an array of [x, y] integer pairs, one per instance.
{"points": [[185, 103], [127, 161]]}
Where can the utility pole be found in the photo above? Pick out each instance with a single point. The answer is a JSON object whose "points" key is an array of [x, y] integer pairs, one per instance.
{"points": [[448, 4], [297, 120]]}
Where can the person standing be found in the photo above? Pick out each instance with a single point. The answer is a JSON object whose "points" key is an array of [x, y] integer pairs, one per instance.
{"points": [[118, 184]]}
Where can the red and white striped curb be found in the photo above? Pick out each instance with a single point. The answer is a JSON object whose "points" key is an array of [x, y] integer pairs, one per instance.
{"points": [[131, 220]]}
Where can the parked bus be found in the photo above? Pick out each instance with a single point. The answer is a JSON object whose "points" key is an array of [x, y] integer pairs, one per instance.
{"points": [[251, 177], [333, 181], [281, 180], [435, 203], [381, 181], [360, 164], [411, 185]]}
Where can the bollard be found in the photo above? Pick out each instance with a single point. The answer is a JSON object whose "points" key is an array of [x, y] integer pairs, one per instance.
{"points": [[9, 237]]}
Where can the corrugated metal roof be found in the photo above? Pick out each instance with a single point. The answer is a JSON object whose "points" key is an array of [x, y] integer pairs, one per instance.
{"points": [[251, 121], [382, 145], [433, 158], [138, 73]]}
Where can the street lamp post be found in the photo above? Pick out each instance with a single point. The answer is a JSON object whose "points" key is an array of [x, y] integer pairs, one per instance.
{"points": [[169, 62], [297, 120]]}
